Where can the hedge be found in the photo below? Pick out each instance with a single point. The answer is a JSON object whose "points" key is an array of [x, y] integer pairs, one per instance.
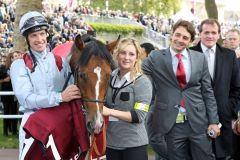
{"points": [[116, 28]]}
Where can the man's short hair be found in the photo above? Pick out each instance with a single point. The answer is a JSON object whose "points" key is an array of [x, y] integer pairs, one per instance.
{"points": [[211, 22], [233, 30], [148, 47], [187, 25]]}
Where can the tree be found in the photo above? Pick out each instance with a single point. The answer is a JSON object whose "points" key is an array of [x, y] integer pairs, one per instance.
{"points": [[211, 9], [212, 12], [23, 6], [156, 7]]}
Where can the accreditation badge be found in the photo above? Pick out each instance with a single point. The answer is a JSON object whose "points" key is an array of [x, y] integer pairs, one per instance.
{"points": [[181, 117]]}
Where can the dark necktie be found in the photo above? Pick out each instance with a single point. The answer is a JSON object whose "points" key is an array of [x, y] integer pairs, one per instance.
{"points": [[180, 75]]}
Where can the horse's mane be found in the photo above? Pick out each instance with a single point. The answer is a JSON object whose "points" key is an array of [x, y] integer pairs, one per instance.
{"points": [[97, 48]]}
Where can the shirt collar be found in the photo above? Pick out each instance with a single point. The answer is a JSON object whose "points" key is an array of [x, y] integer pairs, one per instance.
{"points": [[184, 53], [127, 77], [204, 48], [40, 55]]}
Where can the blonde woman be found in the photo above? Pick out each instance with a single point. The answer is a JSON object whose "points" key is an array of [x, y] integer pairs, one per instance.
{"points": [[127, 103]]}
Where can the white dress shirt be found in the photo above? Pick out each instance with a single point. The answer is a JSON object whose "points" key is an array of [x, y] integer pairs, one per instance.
{"points": [[185, 60], [210, 54]]}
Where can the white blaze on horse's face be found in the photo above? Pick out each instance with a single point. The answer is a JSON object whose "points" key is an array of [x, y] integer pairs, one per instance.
{"points": [[99, 119], [97, 70]]}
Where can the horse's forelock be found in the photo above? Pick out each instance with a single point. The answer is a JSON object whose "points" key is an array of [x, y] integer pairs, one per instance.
{"points": [[97, 48]]}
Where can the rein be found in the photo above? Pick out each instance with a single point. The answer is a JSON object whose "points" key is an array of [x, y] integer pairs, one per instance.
{"points": [[94, 147]]}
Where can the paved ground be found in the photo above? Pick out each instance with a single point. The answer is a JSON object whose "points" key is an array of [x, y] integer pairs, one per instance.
{"points": [[8, 154], [12, 154]]}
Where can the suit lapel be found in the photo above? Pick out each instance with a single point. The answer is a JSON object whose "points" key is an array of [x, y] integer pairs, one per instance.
{"points": [[198, 47], [217, 58], [218, 64], [168, 62], [193, 60]]}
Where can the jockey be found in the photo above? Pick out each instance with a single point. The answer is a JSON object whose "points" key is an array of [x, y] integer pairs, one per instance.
{"points": [[39, 77]]}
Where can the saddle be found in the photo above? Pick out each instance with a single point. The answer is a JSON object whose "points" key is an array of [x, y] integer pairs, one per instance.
{"points": [[60, 130]]}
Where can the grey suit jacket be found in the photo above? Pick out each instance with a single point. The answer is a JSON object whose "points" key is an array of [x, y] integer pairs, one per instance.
{"points": [[198, 94]]}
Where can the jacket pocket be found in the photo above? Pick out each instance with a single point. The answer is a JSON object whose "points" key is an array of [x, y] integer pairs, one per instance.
{"points": [[199, 108]]}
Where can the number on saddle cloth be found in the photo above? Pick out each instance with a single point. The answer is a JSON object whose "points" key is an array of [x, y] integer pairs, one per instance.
{"points": [[62, 131]]}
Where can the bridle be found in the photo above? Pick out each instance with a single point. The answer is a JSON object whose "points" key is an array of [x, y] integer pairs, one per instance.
{"points": [[93, 100], [76, 74], [93, 146]]}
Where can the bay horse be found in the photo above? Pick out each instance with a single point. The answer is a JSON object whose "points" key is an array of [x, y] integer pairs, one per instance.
{"points": [[91, 63]]}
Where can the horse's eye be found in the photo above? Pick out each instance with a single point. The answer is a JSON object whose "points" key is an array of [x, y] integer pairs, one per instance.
{"points": [[83, 75]]}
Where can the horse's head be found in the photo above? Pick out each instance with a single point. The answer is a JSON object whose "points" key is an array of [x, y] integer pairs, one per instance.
{"points": [[92, 63]]}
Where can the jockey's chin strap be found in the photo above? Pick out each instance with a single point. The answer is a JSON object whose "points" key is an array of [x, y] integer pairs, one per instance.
{"points": [[94, 147]]}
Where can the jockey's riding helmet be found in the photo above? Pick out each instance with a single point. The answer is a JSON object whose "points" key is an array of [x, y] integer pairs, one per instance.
{"points": [[32, 22]]}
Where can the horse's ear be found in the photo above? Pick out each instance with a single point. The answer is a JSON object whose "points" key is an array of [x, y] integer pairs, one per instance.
{"points": [[113, 44], [79, 42]]}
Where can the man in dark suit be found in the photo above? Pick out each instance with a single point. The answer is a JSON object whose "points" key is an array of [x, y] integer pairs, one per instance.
{"points": [[224, 70], [184, 108]]}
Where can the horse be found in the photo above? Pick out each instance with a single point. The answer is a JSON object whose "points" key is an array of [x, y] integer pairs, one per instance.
{"points": [[91, 63], [63, 132]]}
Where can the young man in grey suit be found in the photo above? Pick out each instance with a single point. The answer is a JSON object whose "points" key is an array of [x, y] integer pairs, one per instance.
{"points": [[224, 70], [184, 108]]}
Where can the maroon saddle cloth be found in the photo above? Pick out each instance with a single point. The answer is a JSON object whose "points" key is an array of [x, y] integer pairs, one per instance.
{"points": [[65, 124]]}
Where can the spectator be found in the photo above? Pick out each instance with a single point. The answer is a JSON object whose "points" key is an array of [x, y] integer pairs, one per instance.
{"points": [[15, 55], [3, 60], [233, 41], [225, 75], [9, 102], [147, 48]]}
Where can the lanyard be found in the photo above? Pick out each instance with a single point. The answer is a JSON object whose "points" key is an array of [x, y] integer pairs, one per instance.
{"points": [[116, 90]]}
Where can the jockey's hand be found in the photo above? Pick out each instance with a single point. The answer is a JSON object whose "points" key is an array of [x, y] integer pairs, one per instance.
{"points": [[70, 93]]}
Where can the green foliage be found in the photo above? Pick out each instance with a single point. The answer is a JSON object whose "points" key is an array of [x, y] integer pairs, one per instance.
{"points": [[154, 7], [116, 28], [7, 142]]}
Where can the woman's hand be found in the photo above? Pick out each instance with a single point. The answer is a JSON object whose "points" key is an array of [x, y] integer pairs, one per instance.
{"points": [[106, 111]]}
